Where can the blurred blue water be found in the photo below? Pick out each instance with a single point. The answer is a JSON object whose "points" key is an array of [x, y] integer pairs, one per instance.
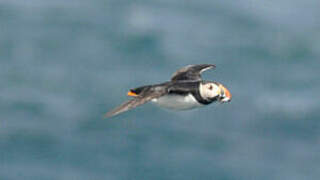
{"points": [[63, 64]]}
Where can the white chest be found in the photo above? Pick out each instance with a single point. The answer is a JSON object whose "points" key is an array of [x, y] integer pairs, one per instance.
{"points": [[177, 102]]}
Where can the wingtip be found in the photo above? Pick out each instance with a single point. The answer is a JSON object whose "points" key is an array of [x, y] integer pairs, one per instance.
{"points": [[109, 115], [112, 113], [105, 116]]}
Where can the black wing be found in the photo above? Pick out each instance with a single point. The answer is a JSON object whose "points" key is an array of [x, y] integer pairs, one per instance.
{"points": [[191, 72], [137, 101]]}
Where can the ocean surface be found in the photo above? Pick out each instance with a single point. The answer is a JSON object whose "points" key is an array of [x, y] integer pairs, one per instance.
{"points": [[63, 64]]}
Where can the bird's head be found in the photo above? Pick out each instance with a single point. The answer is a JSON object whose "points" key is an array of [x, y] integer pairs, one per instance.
{"points": [[215, 91]]}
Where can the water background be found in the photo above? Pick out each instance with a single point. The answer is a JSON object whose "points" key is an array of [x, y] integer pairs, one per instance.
{"points": [[63, 64]]}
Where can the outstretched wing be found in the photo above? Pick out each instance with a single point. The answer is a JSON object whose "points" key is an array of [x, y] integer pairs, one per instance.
{"points": [[137, 101], [191, 72]]}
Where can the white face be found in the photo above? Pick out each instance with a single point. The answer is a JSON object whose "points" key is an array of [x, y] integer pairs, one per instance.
{"points": [[209, 90]]}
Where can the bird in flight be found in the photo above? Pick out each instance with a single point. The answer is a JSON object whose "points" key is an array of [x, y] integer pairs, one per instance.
{"points": [[186, 90]]}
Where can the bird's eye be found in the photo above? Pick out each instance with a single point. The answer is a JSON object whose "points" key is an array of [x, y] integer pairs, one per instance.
{"points": [[210, 87]]}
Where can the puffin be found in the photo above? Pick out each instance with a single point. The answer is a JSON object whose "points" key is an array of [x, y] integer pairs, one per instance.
{"points": [[186, 90]]}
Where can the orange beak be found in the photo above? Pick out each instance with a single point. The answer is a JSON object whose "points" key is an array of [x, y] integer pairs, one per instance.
{"points": [[227, 93]]}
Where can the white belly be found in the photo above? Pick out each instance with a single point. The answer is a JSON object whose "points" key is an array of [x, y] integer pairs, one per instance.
{"points": [[177, 102]]}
